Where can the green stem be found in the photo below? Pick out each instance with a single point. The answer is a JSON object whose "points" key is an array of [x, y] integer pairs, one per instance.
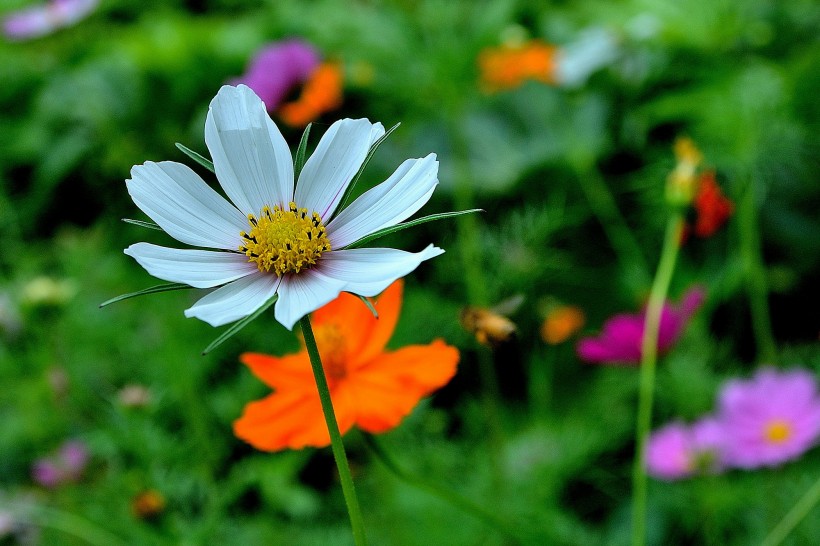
{"points": [[616, 229], [649, 357], [539, 386], [798, 512], [336, 443], [469, 243], [462, 503], [755, 273]]}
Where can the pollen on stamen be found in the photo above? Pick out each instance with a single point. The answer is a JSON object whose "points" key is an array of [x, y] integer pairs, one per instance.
{"points": [[284, 240]]}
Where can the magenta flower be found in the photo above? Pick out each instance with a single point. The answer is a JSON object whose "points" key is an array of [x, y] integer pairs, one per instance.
{"points": [[771, 418], [46, 18], [620, 340], [67, 465], [678, 451], [278, 68]]}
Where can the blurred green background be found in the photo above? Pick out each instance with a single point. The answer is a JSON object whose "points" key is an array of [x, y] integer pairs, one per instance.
{"points": [[571, 178]]}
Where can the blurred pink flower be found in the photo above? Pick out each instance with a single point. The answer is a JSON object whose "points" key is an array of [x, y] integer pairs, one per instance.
{"points": [[678, 451], [771, 418], [620, 340], [277, 68], [46, 18], [67, 465]]}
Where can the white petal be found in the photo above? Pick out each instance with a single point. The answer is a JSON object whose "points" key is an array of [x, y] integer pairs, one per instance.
{"points": [[235, 300], [302, 293], [198, 268], [189, 210], [251, 158], [376, 132], [368, 271], [394, 200], [334, 163]]}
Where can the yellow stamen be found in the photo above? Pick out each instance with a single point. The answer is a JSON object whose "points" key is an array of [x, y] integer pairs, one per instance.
{"points": [[778, 431], [284, 241]]}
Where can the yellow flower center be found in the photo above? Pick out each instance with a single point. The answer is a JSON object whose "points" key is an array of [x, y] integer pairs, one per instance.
{"points": [[284, 241], [333, 348], [778, 431]]}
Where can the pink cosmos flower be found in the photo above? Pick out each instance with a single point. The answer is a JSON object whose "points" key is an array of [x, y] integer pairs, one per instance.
{"points": [[678, 451], [620, 340], [66, 465], [278, 68], [771, 418], [46, 18]]}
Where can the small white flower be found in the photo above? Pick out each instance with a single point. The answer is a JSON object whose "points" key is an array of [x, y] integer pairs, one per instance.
{"points": [[274, 238]]}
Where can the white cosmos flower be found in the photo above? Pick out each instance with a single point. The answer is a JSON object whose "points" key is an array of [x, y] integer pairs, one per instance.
{"points": [[272, 237]]}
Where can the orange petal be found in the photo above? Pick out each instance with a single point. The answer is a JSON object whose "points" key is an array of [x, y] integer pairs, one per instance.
{"points": [[349, 318], [280, 372], [388, 305], [291, 420], [387, 389], [364, 335]]}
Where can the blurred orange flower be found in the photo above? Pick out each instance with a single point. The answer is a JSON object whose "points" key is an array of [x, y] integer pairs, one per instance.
{"points": [[509, 66], [712, 208], [370, 388], [148, 504], [321, 93], [561, 323]]}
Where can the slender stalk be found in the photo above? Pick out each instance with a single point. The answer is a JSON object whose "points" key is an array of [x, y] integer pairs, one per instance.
{"points": [[649, 357], [755, 273], [540, 380], [336, 443], [604, 207], [462, 503], [794, 516], [469, 243]]}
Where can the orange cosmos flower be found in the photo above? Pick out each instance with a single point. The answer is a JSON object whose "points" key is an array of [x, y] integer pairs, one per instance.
{"points": [[509, 66], [370, 388], [711, 206], [321, 93], [561, 323]]}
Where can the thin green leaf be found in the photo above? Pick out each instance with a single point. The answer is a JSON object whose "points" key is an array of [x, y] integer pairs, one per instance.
{"points": [[207, 163], [301, 152], [373, 148], [369, 305], [151, 290], [398, 227], [142, 223], [236, 326]]}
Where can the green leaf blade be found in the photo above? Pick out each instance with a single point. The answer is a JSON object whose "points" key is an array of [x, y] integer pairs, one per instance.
{"points": [[151, 290], [142, 223], [370, 153], [369, 305], [301, 153], [399, 227], [207, 163], [237, 326]]}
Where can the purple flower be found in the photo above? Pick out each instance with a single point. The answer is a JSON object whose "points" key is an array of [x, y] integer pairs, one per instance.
{"points": [[73, 456], [771, 418], [620, 340], [277, 68], [46, 18], [66, 465], [678, 451], [46, 473]]}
